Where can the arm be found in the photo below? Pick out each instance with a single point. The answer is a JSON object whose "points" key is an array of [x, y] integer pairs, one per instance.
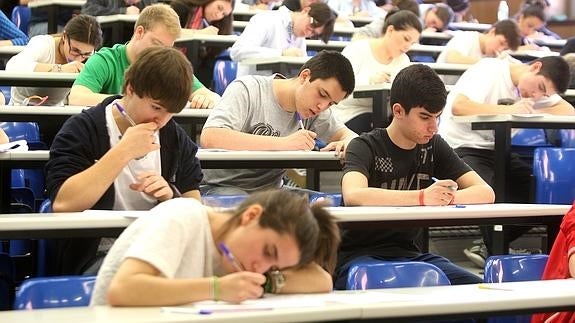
{"points": [[308, 279], [82, 190], [3, 136], [371, 30], [203, 98], [561, 108], [472, 189], [81, 95], [10, 33], [455, 57], [339, 141], [138, 283], [252, 41], [355, 190], [463, 106], [236, 140]]}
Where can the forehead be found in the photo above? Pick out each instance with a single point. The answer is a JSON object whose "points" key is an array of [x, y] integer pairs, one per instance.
{"points": [[160, 34], [411, 32], [287, 249], [332, 86]]}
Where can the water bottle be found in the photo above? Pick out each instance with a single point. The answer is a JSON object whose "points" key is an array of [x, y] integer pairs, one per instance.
{"points": [[502, 10]]}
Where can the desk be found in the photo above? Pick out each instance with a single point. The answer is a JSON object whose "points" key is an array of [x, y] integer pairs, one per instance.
{"points": [[192, 44], [385, 305], [53, 6], [502, 125], [118, 23], [312, 160], [553, 44], [37, 79]]}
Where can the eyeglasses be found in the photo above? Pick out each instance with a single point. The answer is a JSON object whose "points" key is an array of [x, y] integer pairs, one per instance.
{"points": [[76, 52]]}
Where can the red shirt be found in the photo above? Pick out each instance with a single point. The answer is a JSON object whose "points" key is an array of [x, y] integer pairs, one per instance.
{"points": [[558, 265]]}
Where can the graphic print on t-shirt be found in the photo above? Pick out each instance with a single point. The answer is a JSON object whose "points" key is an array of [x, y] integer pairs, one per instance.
{"points": [[264, 129]]}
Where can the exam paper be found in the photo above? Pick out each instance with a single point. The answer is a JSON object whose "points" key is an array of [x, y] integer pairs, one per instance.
{"points": [[21, 145]]}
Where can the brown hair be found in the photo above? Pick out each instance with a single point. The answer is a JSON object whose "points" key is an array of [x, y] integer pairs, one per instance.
{"points": [[444, 13], [85, 29], [163, 74], [187, 8], [322, 16], [509, 30], [313, 228], [159, 14]]}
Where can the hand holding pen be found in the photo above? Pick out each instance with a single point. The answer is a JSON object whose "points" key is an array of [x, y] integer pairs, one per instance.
{"points": [[138, 138], [240, 285], [302, 139], [439, 193]]}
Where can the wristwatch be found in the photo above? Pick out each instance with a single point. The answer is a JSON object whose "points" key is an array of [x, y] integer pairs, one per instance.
{"points": [[275, 281]]}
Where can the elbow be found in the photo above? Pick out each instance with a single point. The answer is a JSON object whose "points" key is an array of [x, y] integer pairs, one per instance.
{"points": [[489, 195], [74, 98], [207, 138], [352, 198], [325, 282], [116, 295]]}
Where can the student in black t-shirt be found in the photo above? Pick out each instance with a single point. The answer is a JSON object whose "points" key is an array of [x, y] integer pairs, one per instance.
{"points": [[406, 164]]}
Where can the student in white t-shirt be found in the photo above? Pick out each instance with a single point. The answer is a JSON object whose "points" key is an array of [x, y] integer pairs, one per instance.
{"points": [[377, 61], [184, 252], [480, 90]]}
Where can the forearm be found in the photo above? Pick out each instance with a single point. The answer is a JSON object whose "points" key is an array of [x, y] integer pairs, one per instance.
{"points": [[147, 290], [455, 57], [309, 279], [371, 196], [80, 95], [477, 194], [236, 140], [81, 191], [466, 107], [43, 67]]}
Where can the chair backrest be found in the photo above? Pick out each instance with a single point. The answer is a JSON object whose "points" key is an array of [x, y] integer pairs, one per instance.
{"points": [[554, 173], [45, 206], [530, 137], [332, 199], [223, 201], [63, 291], [21, 18], [225, 71], [567, 138], [21, 130], [6, 281], [390, 274], [514, 268]]}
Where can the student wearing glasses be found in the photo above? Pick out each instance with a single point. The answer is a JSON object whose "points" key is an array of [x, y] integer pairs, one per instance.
{"points": [[60, 53], [281, 33]]}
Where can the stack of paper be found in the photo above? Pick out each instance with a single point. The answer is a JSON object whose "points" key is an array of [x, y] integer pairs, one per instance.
{"points": [[14, 145]]}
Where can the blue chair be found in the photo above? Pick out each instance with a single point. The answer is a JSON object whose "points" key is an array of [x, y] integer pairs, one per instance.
{"points": [[525, 140], [554, 173], [374, 274], [62, 291], [223, 201], [567, 138], [21, 18], [225, 71], [513, 268]]}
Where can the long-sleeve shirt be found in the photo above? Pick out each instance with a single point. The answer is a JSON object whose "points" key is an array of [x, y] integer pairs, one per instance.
{"points": [[9, 31]]}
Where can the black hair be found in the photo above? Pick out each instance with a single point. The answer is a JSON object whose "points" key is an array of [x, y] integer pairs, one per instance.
{"points": [[327, 64], [401, 20], [418, 86]]}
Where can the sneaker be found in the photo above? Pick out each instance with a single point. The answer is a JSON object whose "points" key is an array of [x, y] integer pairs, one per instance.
{"points": [[522, 251], [477, 255]]}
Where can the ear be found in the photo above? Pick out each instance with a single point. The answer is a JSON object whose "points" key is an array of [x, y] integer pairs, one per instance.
{"points": [[397, 110], [129, 90], [304, 75], [306, 10], [139, 32], [535, 67], [389, 28], [252, 212]]}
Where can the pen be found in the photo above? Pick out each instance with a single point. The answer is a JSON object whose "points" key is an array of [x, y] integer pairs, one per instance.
{"points": [[124, 114], [228, 254], [453, 188], [298, 117], [205, 22], [319, 144], [485, 286]]}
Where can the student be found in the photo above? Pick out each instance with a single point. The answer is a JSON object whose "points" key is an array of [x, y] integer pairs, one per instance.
{"points": [[468, 47], [10, 34], [126, 153], [209, 17], [356, 8], [396, 166], [543, 31], [460, 10], [560, 265], [103, 75], [480, 90], [261, 113], [377, 61], [530, 19], [281, 33], [435, 18], [38, 24], [173, 256], [60, 53], [115, 7]]}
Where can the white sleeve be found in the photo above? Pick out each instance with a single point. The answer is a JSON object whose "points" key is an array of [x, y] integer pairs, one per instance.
{"points": [[355, 55], [251, 42], [35, 52]]}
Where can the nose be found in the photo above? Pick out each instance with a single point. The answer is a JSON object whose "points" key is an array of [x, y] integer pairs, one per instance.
{"points": [[162, 118]]}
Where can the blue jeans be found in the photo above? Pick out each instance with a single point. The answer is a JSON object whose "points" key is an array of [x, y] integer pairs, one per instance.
{"points": [[456, 274]]}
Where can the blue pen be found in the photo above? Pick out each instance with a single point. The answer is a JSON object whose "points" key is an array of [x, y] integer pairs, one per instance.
{"points": [[205, 22], [124, 114], [228, 254], [453, 188]]}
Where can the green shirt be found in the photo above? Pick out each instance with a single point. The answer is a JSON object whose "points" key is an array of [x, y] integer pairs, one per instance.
{"points": [[104, 71]]}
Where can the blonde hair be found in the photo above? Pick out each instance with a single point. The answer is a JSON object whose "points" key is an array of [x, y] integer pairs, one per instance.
{"points": [[160, 14]]}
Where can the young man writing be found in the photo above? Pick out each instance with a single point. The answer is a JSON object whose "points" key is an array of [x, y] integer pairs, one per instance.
{"points": [[397, 166], [264, 113], [103, 74]]}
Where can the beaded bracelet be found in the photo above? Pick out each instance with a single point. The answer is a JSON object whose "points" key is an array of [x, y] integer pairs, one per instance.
{"points": [[216, 288]]}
